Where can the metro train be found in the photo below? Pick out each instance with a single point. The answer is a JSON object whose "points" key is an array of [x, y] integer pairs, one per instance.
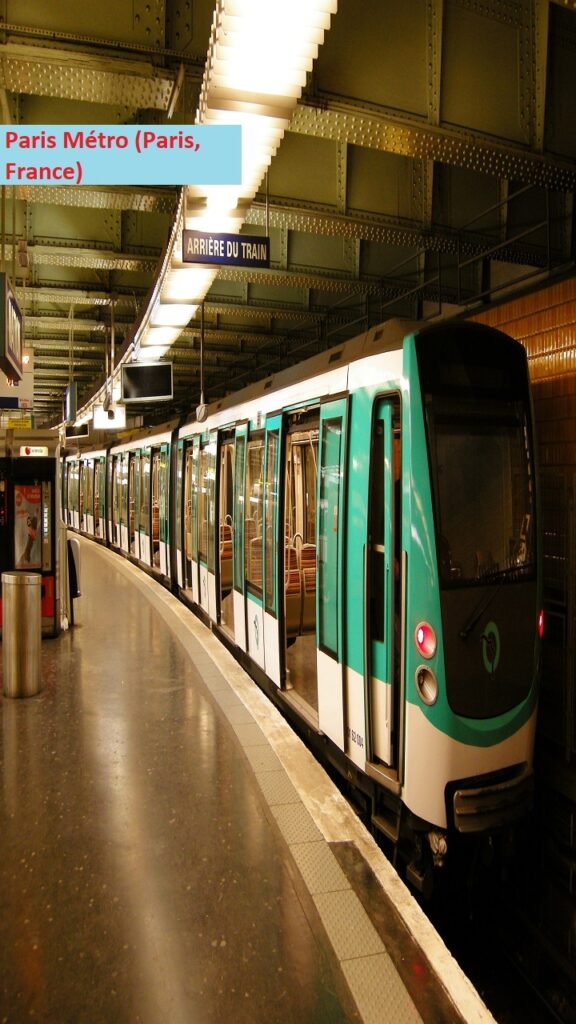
{"points": [[361, 531]]}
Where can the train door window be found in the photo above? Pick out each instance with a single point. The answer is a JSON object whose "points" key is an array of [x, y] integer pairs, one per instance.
{"points": [[384, 581], [164, 495], [131, 503], [239, 484], [226, 521], [102, 495], [207, 473], [253, 520], [115, 497], [190, 499], [90, 487], [178, 510], [328, 531], [145, 494], [300, 510], [155, 482], [123, 479], [81, 485], [270, 514], [97, 497]]}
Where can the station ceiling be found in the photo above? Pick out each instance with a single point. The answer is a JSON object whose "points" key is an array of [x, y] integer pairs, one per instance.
{"points": [[429, 168]]}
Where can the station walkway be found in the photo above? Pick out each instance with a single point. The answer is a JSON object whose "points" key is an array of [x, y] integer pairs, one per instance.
{"points": [[170, 853]]}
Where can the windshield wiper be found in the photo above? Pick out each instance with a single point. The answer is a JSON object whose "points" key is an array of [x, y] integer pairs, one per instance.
{"points": [[482, 605]]}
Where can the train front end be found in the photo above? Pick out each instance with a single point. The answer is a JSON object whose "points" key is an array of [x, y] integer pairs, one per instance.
{"points": [[473, 607]]}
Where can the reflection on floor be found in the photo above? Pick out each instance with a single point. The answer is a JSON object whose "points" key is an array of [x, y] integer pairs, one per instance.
{"points": [[301, 670], [227, 613]]}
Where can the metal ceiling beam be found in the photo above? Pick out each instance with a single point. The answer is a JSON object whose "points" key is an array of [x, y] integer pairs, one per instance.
{"points": [[68, 296], [94, 259], [140, 200], [193, 62], [66, 74], [342, 120]]}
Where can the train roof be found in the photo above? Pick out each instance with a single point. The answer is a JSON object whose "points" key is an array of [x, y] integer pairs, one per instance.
{"points": [[386, 337]]}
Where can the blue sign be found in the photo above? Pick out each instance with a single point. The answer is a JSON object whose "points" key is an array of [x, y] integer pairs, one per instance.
{"points": [[228, 250]]}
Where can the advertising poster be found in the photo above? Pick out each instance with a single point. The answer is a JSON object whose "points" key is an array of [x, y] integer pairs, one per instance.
{"points": [[28, 520]]}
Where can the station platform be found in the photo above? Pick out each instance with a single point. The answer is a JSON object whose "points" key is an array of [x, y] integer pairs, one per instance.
{"points": [[173, 854]]}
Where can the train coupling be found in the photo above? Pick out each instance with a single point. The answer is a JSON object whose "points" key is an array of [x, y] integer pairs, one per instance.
{"points": [[438, 842]]}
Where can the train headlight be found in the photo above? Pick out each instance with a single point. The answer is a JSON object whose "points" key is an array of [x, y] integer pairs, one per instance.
{"points": [[426, 684], [425, 640]]}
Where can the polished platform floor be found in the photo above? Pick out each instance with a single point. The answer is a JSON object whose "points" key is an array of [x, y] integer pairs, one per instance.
{"points": [[171, 854]]}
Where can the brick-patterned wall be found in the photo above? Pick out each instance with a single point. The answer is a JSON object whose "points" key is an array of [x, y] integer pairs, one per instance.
{"points": [[545, 323]]}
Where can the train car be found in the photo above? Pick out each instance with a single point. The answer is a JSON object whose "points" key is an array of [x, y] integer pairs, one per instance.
{"points": [[361, 532]]}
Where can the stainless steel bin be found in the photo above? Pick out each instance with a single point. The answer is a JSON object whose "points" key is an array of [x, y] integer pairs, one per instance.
{"points": [[21, 633]]}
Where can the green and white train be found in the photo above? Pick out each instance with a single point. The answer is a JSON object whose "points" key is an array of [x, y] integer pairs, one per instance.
{"points": [[360, 530]]}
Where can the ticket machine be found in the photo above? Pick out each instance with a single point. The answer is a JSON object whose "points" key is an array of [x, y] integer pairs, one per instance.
{"points": [[29, 513]]}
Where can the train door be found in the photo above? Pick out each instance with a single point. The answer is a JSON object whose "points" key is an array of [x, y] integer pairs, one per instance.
{"points": [[155, 497], [110, 481], [383, 586], [253, 523], [191, 496], [238, 535], [89, 503], [272, 514], [82, 495], [163, 506], [300, 513], [144, 517], [98, 492], [123, 501], [330, 548], [206, 524], [226, 532], [73, 497], [132, 532], [179, 520]]}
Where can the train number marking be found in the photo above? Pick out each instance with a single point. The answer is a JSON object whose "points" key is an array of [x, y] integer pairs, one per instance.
{"points": [[356, 738]]}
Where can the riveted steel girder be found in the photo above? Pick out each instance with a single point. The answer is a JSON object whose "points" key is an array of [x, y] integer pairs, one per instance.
{"points": [[66, 74], [343, 121], [94, 259], [140, 200]]}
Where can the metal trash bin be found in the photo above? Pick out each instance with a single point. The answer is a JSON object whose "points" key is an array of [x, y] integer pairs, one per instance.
{"points": [[21, 633]]}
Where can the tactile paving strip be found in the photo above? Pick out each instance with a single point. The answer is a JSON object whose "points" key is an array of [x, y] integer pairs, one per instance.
{"points": [[350, 929], [295, 824], [319, 867], [367, 978]]}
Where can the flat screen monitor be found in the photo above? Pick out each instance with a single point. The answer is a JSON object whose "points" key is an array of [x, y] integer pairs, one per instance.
{"points": [[73, 432], [146, 382]]}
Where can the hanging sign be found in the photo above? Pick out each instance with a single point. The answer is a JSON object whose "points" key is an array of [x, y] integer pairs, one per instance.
{"points": [[228, 250]]}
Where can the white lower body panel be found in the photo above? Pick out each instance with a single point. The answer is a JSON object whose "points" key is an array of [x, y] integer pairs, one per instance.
{"points": [[271, 648], [330, 698], [432, 759], [239, 620], [255, 629]]}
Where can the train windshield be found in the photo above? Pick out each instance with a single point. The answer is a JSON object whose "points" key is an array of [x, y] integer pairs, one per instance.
{"points": [[477, 410], [483, 492]]}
